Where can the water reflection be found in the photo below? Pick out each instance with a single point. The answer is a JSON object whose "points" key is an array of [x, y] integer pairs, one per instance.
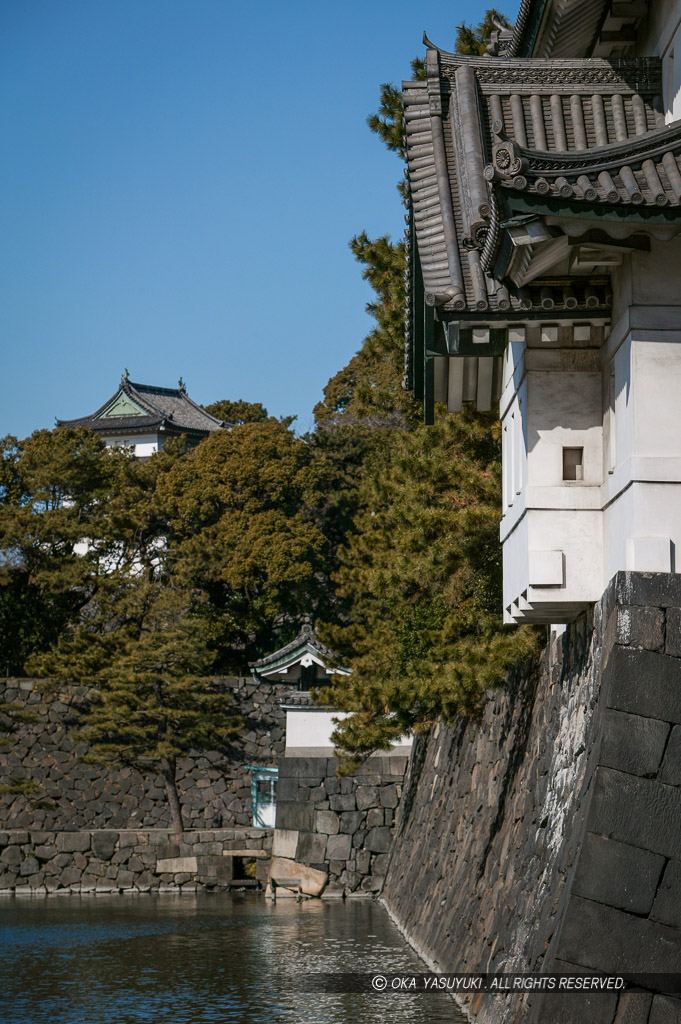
{"points": [[205, 959]]}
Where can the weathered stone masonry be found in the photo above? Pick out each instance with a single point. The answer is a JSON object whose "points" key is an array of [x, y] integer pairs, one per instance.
{"points": [[40, 862], [215, 789], [343, 826], [548, 835]]}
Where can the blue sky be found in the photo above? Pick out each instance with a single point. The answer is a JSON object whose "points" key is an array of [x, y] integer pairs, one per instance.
{"points": [[180, 181]]}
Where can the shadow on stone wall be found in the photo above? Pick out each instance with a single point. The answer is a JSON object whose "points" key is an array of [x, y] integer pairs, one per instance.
{"points": [[547, 837], [215, 789]]}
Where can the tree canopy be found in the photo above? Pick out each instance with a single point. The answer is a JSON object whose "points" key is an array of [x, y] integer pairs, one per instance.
{"points": [[422, 577], [148, 578]]}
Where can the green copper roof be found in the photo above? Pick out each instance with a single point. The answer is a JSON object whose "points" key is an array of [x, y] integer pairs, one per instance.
{"points": [[122, 405]]}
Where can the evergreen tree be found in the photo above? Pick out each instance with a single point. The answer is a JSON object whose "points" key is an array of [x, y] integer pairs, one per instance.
{"points": [[242, 511], [238, 411], [422, 576], [145, 649], [474, 41], [57, 488]]}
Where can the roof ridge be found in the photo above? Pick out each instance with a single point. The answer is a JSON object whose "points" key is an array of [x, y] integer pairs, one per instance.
{"points": [[131, 390]]}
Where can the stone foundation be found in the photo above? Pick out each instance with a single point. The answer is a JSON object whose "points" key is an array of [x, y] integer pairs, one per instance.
{"points": [[342, 826], [215, 789], [547, 836], [105, 861]]}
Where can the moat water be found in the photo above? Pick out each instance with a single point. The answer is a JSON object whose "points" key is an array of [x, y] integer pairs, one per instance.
{"points": [[229, 958]]}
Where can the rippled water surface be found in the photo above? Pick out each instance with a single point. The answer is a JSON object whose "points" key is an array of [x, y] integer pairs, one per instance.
{"points": [[206, 959]]}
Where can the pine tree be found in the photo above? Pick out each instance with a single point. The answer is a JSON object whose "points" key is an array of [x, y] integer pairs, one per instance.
{"points": [[145, 650], [239, 411], [422, 576], [474, 41]]}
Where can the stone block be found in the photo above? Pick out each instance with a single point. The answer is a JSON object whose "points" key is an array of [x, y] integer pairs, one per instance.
{"points": [[327, 822], [350, 821], [166, 851], [639, 812], [379, 864], [618, 875], [342, 802], [70, 876], [127, 839], [287, 789], [40, 838], [667, 906], [640, 627], [363, 861], [673, 632], [104, 844], [654, 589], [671, 766], [296, 817], [11, 856], [378, 840], [304, 768], [69, 842], [338, 847], [18, 838], [631, 743], [375, 817], [388, 796], [291, 874], [665, 1010], [573, 1008], [45, 852], [215, 867], [601, 938], [366, 797], [644, 683], [372, 883], [29, 866], [310, 849], [285, 843], [350, 879], [174, 865]]}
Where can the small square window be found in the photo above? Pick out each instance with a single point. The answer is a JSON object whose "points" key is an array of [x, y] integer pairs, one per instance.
{"points": [[573, 463]]}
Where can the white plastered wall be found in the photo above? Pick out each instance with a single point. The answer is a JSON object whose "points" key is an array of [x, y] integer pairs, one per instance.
{"points": [[145, 445], [551, 528], [642, 487]]}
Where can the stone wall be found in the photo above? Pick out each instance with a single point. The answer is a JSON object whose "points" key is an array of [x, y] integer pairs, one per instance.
{"points": [[105, 861], [547, 836], [342, 826], [215, 789]]}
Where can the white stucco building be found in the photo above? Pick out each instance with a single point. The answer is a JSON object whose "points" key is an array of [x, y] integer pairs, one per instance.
{"points": [[303, 665], [545, 259], [144, 416]]}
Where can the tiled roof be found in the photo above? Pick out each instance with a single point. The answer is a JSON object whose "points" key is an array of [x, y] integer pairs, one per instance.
{"points": [[305, 640], [574, 28], [168, 408], [490, 138]]}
